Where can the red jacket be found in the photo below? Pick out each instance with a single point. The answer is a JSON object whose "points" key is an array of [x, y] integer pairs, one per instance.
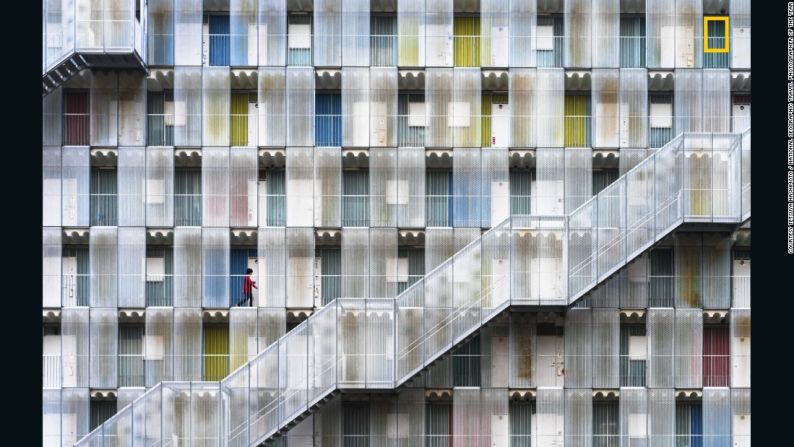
{"points": [[247, 284]]}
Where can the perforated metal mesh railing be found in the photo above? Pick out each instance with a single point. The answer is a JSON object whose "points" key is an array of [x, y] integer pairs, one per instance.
{"points": [[379, 343]]}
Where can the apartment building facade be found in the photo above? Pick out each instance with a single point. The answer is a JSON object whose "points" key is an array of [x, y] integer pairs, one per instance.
{"points": [[470, 222]]}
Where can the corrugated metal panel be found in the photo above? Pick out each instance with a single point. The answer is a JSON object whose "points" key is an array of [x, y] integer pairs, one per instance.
{"points": [[328, 119], [715, 356], [216, 352], [158, 133], [466, 41], [131, 355]]}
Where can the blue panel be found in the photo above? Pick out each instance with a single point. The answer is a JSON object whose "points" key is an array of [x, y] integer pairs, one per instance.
{"points": [[219, 40], [237, 268], [328, 119], [697, 425]]}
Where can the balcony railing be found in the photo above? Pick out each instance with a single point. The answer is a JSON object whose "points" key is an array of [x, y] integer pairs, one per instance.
{"points": [[51, 369], [525, 260]]}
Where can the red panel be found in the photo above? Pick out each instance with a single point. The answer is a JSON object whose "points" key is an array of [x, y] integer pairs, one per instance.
{"points": [[715, 356], [76, 116]]}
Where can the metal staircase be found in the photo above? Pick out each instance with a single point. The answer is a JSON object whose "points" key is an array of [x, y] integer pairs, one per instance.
{"points": [[381, 343]]}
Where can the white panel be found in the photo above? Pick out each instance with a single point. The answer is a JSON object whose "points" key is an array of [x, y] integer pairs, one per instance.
{"points": [[545, 38], [638, 347], [300, 35], [661, 115], [500, 125]]}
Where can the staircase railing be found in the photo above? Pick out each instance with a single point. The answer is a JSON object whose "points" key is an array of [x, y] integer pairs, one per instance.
{"points": [[377, 343]]}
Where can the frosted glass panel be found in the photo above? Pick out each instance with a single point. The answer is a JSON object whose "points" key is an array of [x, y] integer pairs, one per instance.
{"points": [[300, 106], [215, 186], [328, 33], [216, 101], [272, 106], [131, 186], [187, 106], [272, 32], [103, 248], [131, 258], [355, 33], [187, 32], [159, 184]]}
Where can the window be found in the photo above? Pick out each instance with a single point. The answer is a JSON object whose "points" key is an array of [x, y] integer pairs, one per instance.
{"points": [[660, 116], [715, 355], [187, 197], [75, 269], [521, 414], [355, 198], [328, 119], [633, 354], [383, 45], [688, 424], [104, 200], [412, 120], [160, 118], [328, 264], [716, 47], [661, 277], [100, 411], [466, 363], [241, 260], [606, 432], [549, 40], [218, 40], [438, 184], [216, 352], [495, 121], [466, 41], [741, 113], [159, 276], [410, 261], [632, 41], [521, 191], [243, 118], [438, 424], [51, 360], [577, 121], [603, 178], [355, 424], [276, 194], [75, 118], [131, 355], [299, 40]]}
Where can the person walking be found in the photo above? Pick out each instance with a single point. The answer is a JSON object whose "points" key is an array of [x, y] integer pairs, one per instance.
{"points": [[248, 288]]}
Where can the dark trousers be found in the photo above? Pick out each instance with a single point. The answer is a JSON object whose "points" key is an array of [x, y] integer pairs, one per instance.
{"points": [[249, 296]]}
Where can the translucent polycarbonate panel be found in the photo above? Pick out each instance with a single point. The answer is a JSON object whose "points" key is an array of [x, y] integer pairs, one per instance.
{"points": [[75, 411], [578, 185], [688, 348], [188, 105], [465, 110], [132, 108], [667, 187], [74, 347], [132, 262], [272, 32], [131, 186], [216, 105], [176, 409], [187, 32], [264, 390], [243, 174], [611, 226], [300, 267], [293, 370], [466, 283], [688, 101], [717, 100], [300, 186], [606, 347], [741, 328], [660, 324], [355, 33], [550, 96], [383, 265], [215, 186], [606, 114], [523, 105], [717, 417], [606, 33], [522, 27], [634, 421], [550, 184], [466, 430], [243, 37], [236, 406], [187, 267], [578, 29], [52, 248], [383, 187], [410, 187], [380, 342], [271, 324], [689, 270], [300, 106], [740, 412], [103, 347], [272, 270], [631, 157], [383, 106], [466, 187], [633, 108], [578, 348], [740, 46], [75, 172], [160, 32], [716, 261], [103, 252], [495, 37], [51, 185], [205, 427], [439, 246], [537, 261], [411, 29], [355, 262], [550, 416], [51, 418], [355, 106], [104, 109], [660, 33], [688, 33], [327, 186], [438, 31], [328, 33], [242, 336], [661, 417], [51, 117], [438, 96], [187, 344], [523, 341], [639, 208], [322, 372], [215, 267], [272, 104], [634, 293], [578, 417], [495, 186]]}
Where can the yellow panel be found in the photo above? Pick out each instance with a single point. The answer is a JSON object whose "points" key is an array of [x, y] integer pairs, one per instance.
{"points": [[576, 120], [486, 120], [216, 352], [239, 119], [467, 41]]}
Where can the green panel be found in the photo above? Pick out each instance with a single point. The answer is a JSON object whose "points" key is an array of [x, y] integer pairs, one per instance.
{"points": [[409, 44], [216, 352], [467, 41], [239, 119], [466, 363], [577, 121], [487, 107], [438, 424], [355, 424], [521, 423]]}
